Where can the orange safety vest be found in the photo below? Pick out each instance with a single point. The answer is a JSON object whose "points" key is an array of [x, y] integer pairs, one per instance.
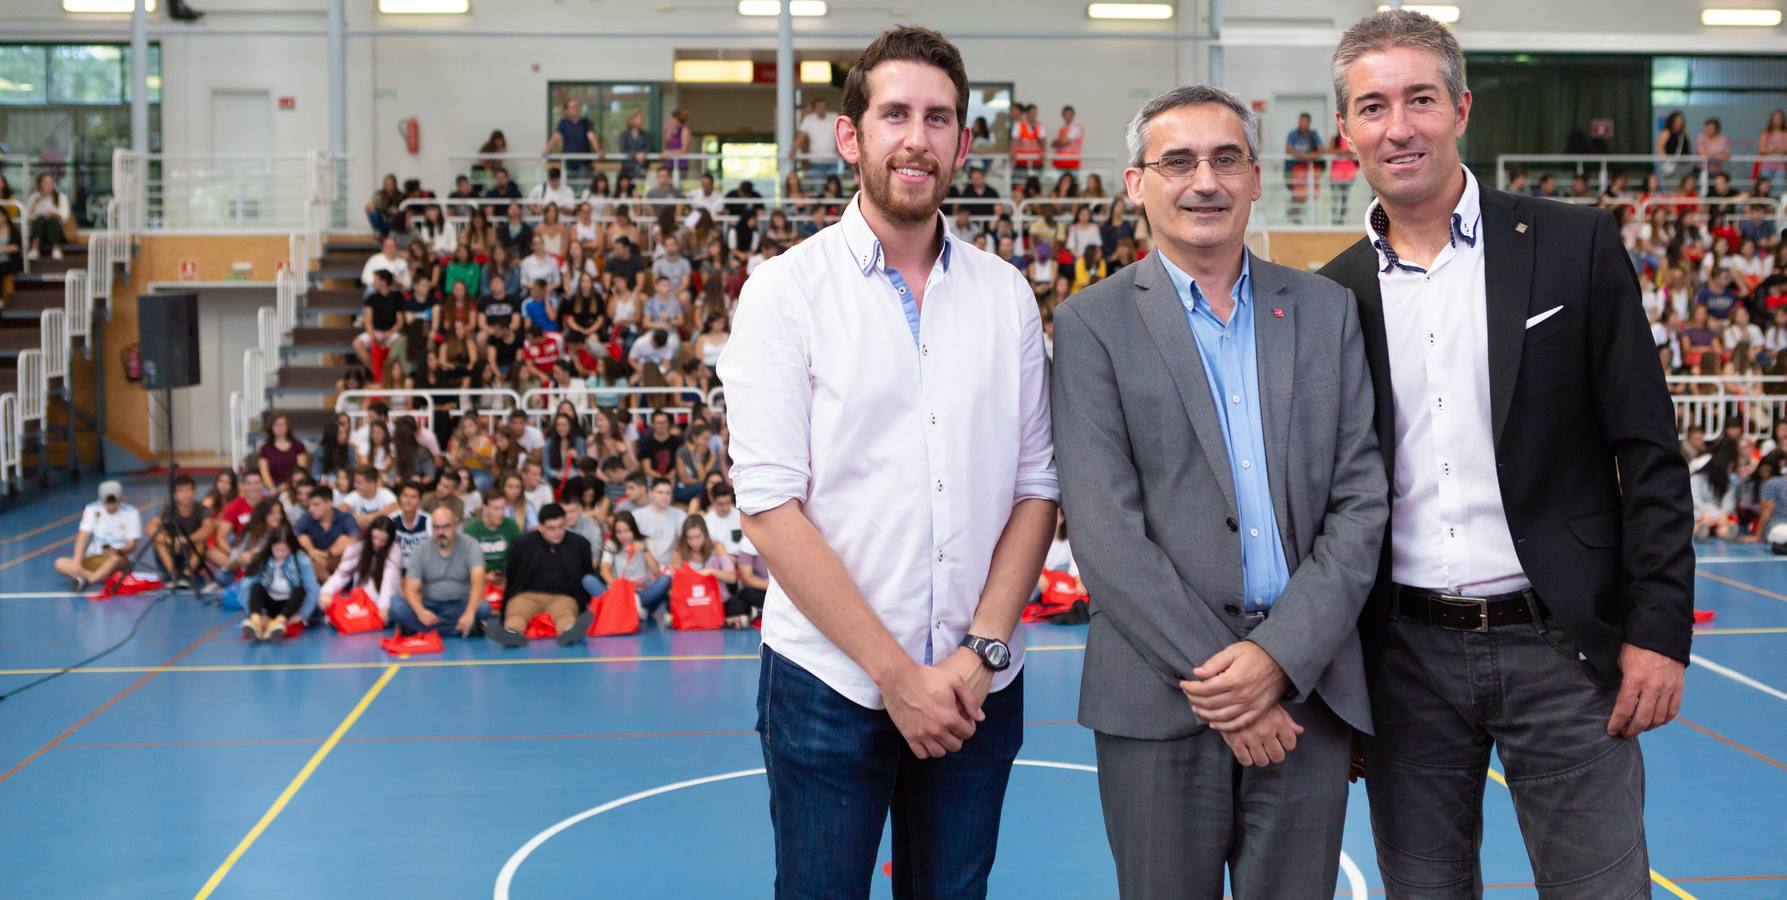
{"points": [[1027, 149], [1068, 156]]}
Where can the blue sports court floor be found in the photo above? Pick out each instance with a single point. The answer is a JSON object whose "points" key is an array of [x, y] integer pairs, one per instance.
{"points": [[190, 763]]}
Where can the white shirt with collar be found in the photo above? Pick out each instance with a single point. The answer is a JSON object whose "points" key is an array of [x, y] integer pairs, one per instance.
{"points": [[1448, 528], [908, 452]]}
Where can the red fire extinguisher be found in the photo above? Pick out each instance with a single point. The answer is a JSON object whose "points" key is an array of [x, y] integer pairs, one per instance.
{"points": [[412, 134], [132, 358]]}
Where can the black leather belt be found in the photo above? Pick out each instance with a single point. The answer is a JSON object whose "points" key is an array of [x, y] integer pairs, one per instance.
{"points": [[1456, 613]]}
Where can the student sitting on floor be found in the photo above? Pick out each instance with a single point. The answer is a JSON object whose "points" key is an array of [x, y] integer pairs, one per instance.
{"points": [[181, 555], [494, 531], [325, 533], [373, 562], [545, 575], [109, 534], [445, 583], [698, 550], [278, 591], [626, 557]]}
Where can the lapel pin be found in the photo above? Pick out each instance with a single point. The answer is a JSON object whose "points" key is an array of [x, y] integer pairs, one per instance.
{"points": [[1277, 313], [1520, 228]]}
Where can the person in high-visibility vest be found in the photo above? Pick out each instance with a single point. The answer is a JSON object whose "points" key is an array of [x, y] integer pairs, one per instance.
{"points": [[1026, 142], [1069, 139]]}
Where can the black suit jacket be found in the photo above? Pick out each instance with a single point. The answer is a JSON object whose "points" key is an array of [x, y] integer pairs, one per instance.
{"points": [[1592, 480]]}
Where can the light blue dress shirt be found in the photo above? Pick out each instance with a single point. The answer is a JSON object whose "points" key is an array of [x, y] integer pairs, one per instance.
{"points": [[1231, 364]]}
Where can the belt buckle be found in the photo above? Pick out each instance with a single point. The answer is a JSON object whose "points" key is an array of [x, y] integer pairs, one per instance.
{"points": [[1453, 601]]}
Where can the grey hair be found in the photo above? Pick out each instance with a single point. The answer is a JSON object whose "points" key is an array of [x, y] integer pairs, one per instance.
{"points": [[1398, 28], [1135, 136]]}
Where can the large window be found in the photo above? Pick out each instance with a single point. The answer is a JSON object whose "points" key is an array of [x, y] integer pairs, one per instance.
{"points": [[608, 105], [63, 109]]}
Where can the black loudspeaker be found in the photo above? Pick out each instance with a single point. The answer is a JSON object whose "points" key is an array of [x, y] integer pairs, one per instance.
{"points": [[168, 337]]}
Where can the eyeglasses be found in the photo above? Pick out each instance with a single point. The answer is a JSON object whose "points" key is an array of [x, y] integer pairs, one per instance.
{"points": [[1184, 166]]}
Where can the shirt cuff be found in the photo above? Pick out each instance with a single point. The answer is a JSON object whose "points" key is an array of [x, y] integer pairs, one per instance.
{"points": [[760, 490]]}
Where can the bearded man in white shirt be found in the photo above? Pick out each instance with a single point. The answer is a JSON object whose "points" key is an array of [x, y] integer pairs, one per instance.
{"points": [[887, 393]]}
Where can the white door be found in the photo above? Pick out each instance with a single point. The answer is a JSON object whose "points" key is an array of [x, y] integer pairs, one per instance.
{"points": [[241, 189], [227, 327]]}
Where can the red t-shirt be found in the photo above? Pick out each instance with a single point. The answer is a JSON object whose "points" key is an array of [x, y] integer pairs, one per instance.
{"points": [[237, 512], [543, 355]]}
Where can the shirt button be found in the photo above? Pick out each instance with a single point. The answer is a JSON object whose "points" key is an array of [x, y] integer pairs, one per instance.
{"points": [[1246, 465], [1254, 532], [925, 350], [939, 487], [1234, 398], [902, 290], [940, 556], [933, 418]]}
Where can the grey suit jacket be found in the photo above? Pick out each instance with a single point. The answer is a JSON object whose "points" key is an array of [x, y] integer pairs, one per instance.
{"points": [[1150, 501]]}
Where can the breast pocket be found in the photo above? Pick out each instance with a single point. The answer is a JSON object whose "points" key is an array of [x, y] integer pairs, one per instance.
{"points": [[1555, 324]]}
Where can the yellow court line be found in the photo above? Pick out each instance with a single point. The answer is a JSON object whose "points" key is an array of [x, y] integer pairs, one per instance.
{"points": [[291, 790], [1744, 585], [424, 664], [1700, 631], [1655, 876]]}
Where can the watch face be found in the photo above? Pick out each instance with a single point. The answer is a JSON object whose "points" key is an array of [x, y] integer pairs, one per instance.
{"points": [[998, 655]]}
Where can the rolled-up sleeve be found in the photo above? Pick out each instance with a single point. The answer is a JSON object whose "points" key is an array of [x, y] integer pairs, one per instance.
{"points": [[769, 394], [1036, 479]]}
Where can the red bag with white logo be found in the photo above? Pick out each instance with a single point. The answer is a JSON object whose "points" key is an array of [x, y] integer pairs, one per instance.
{"points": [[617, 611], [695, 601], [493, 595], [425, 642], [124, 584], [1062, 593], [355, 613]]}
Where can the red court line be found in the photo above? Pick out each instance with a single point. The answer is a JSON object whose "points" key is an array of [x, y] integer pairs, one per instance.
{"points": [[1731, 743], [1742, 585], [147, 677]]}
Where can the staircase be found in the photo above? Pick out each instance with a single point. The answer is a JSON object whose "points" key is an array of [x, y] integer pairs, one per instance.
{"points": [[320, 346]]}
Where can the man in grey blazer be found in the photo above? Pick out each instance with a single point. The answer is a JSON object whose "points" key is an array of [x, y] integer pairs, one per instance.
{"points": [[1213, 431]]}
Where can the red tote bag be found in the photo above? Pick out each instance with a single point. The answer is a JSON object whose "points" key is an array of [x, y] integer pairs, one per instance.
{"points": [[695, 601], [617, 611], [355, 613], [426, 642]]}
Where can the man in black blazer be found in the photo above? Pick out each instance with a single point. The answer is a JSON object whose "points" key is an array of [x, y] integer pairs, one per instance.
{"points": [[1535, 593]]}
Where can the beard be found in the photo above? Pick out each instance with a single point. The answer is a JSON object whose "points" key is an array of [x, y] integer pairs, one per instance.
{"points": [[902, 204]]}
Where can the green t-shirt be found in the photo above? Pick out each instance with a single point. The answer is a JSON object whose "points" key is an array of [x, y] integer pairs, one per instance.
{"points": [[495, 542]]}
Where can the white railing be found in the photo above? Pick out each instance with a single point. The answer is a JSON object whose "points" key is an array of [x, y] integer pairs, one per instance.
{"points": [[1777, 209], [238, 429], [1709, 401], [33, 388], [254, 383], [99, 265], [1600, 168], [266, 322], [287, 288], [53, 334], [77, 305], [542, 413], [298, 256], [12, 430], [420, 403]]}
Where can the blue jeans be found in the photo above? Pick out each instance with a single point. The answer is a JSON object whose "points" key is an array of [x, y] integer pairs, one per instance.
{"points": [[836, 769], [235, 593], [686, 492], [449, 612], [594, 586], [654, 595]]}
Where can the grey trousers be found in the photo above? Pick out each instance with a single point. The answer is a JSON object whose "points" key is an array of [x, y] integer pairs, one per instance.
{"points": [[1178, 812], [1440, 699]]}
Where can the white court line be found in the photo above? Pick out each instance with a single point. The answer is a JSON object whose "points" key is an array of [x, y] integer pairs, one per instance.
{"points": [[1736, 676], [1355, 878], [1740, 559], [42, 595]]}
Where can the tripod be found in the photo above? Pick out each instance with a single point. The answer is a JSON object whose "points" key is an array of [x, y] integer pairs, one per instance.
{"points": [[170, 519]]}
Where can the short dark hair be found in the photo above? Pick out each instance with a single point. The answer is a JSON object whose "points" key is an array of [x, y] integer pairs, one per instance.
{"points": [[367, 472], [638, 478], [550, 512], [662, 482], [409, 486], [379, 407], [322, 492], [184, 480], [720, 490], [905, 43]]}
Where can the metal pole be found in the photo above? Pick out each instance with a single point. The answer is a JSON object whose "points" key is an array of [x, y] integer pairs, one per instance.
{"points": [[1217, 66], [337, 79], [139, 77], [784, 92]]}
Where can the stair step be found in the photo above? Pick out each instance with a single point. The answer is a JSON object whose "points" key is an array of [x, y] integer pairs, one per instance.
{"points": [[306, 337], [337, 301], [308, 378], [33, 304], [364, 248], [13, 341]]}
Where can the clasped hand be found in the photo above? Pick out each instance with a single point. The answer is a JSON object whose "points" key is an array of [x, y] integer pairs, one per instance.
{"points": [[1237, 692]]}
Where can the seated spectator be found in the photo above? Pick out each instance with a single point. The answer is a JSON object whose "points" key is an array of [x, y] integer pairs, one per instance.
{"points": [[540, 309], [545, 574], [627, 558], [280, 453], [697, 549], [389, 259], [695, 461], [625, 265], [629, 490], [656, 348], [246, 541], [51, 221], [1773, 516], [660, 523], [515, 505], [473, 451], [664, 310], [514, 235], [369, 501], [578, 522], [1720, 296], [534, 488], [445, 493], [181, 529], [374, 563], [233, 516], [494, 532], [530, 439], [539, 266], [276, 594], [382, 208], [324, 534], [553, 191], [411, 459], [109, 533], [378, 320], [564, 449], [540, 355], [1714, 490], [723, 519], [746, 603], [445, 582]]}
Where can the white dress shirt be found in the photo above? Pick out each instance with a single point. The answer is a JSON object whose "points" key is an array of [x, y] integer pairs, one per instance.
{"points": [[909, 435], [1448, 529]]}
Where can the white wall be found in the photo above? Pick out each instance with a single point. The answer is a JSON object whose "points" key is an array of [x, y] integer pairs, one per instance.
{"points": [[478, 72]]}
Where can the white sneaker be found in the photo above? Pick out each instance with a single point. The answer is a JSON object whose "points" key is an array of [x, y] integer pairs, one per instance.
{"points": [[55, 252], [31, 253], [663, 617]]}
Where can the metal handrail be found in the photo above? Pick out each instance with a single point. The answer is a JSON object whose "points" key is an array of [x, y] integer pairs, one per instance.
{"points": [[354, 402], [254, 383], [238, 429], [267, 329], [1603, 166], [33, 388], [53, 333], [12, 435], [77, 305]]}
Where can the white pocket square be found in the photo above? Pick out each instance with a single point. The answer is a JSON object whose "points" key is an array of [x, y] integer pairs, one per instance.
{"points": [[1543, 316]]}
